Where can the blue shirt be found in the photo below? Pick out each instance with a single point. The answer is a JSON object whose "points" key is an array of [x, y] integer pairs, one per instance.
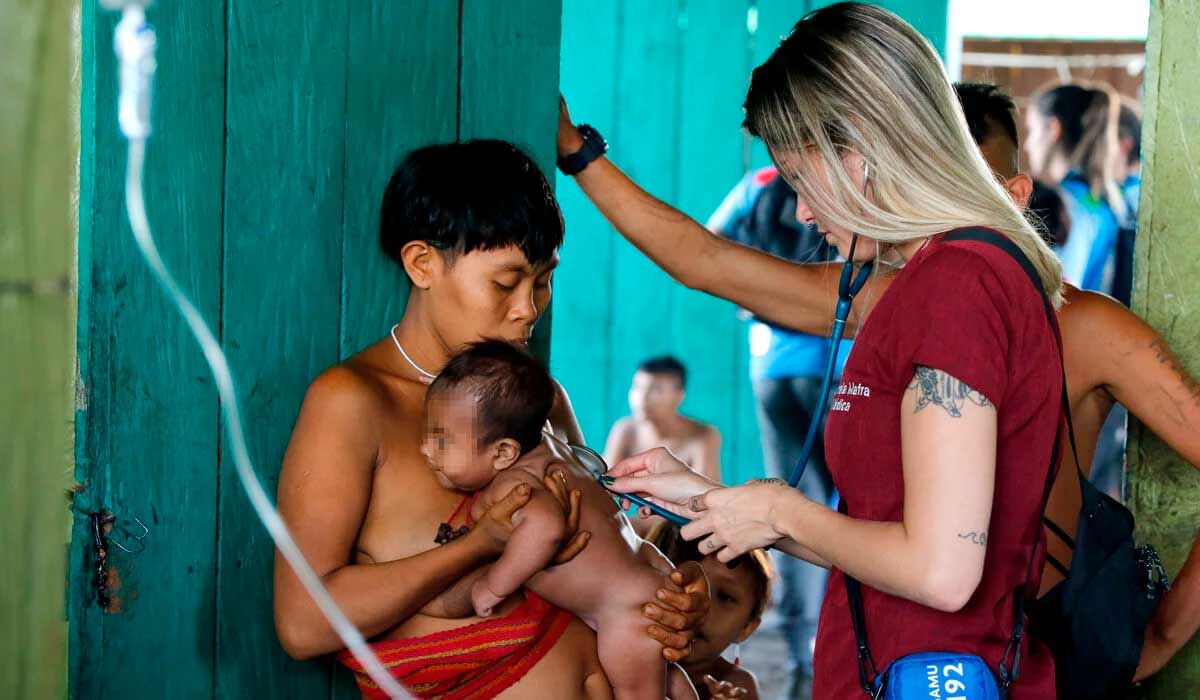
{"points": [[769, 224], [1089, 255]]}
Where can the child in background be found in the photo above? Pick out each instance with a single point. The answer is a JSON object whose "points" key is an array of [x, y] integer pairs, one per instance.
{"points": [[655, 396], [740, 593], [484, 411]]}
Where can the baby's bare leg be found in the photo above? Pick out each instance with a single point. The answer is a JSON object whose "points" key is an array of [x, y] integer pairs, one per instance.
{"points": [[632, 660]]}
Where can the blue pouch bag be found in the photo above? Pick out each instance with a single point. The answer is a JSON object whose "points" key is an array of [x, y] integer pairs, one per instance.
{"points": [[936, 674]]}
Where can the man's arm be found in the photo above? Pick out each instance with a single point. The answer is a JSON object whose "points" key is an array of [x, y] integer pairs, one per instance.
{"points": [[1136, 365], [324, 489]]}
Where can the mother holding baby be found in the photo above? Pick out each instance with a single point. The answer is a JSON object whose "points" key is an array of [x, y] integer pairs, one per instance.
{"points": [[476, 228], [946, 419]]}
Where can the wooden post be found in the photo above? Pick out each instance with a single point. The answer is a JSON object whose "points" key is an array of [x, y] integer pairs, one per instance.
{"points": [[38, 142], [1164, 491]]}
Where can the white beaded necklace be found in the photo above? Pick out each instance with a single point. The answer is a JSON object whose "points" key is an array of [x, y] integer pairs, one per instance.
{"points": [[426, 375]]}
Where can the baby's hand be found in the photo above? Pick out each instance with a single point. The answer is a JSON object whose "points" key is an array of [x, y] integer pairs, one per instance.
{"points": [[483, 599]]}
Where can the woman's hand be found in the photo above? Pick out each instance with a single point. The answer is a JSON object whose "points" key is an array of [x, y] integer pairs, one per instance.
{"points": [[661, 478], [681, 607], [569, 138], [496, 525], [735, 520]]}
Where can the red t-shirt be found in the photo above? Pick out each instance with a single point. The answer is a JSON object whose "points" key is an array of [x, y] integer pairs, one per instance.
{"points": [[968, 309]]}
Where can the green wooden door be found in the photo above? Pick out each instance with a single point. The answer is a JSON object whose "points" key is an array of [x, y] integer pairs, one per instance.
{"points": [[277, 125]]}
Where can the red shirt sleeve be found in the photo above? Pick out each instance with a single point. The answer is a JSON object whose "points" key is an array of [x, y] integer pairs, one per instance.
{"points": [[957, 318]]}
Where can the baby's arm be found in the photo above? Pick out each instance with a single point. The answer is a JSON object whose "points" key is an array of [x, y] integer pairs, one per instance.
{"points": [[454, 603], [536, 538]]}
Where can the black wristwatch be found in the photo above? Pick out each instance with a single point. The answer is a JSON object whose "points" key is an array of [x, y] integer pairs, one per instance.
{"points": [[594, 146]]}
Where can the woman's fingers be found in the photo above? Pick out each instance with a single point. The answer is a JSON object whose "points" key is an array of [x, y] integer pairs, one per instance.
{"points": [[666, 617], [676, 645], [573, 548], [676, 488], [656, 461], [698, 528], [504, 509], [573, 513]]}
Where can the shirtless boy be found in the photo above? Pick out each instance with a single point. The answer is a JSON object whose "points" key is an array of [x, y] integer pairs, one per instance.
{"points": [[655, 395], [484, 411]]}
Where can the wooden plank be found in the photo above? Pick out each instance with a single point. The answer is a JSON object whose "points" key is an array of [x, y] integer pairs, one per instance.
{"points": [[774, 20], [508, 86], [384, 68], [383, 123], [1163, 489], [285, 140], [148, 412], [582, 355], [37, 234], [705, 330], [646, 146]]}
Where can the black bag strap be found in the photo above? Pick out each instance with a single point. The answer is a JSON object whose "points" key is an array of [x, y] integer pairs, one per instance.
{"points": [[1010, 663]]}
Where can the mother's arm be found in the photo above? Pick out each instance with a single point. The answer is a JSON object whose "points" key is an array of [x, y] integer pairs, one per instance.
{"points": [[324, 488]]}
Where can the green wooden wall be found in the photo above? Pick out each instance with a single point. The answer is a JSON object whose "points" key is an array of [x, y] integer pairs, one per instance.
{"points": [[664, 81], [277, 124], [1163, 489], [37, 340]]}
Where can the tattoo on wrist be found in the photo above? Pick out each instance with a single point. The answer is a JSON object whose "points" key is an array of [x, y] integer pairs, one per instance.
{"points": [[977, 537], [936, 388]]}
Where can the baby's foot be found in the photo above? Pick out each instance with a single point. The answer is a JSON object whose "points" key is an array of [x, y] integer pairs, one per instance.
{"points": [[483, 599]]}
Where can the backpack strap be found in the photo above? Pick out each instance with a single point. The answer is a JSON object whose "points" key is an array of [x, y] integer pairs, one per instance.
{"points": [[1008, 673]]}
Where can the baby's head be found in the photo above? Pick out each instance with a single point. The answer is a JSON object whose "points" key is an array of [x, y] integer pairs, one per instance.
{"points": [[740, 593], [486, 408]]}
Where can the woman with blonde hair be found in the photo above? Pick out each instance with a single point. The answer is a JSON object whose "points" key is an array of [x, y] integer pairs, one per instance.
{"points": [[943, 428]]}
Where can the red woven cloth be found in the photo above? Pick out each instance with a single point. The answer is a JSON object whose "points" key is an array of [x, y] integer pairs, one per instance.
{"points": [[474, 662]]}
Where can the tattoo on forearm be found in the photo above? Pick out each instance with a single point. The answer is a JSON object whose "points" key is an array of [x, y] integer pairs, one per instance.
{"points": [[1167, 357], [979, 538], [935, 387], [772, 481]]}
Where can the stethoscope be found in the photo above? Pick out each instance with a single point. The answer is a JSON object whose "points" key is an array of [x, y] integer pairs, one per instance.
{"points": [[849, 285]]}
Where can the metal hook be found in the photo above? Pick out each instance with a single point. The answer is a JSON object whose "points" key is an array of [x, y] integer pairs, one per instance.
{"points": [[140, 539]]}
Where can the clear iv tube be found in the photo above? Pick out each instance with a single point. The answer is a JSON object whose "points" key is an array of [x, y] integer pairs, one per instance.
{"points": [[135, 46]]}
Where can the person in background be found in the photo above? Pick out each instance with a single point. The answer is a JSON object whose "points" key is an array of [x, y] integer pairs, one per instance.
{"points": [[1073, 141], [1052, 216], [786, 367], [740, 594], [1129, 142], [655, 396]]}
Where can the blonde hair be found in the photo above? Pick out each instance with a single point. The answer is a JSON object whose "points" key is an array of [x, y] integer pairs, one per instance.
{"points": [[856, 78]]}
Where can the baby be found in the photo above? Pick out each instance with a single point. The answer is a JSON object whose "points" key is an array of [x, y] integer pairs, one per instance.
{"points": [[484, 411]]}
